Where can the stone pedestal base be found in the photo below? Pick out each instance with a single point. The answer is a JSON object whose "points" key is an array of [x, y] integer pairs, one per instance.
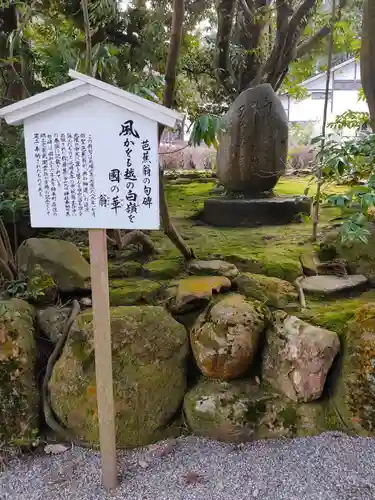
{"points": [[228, 212]]}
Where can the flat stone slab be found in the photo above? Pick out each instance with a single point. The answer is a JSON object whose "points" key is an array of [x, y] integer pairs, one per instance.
{"points": [[253, 212], [327, 285]]}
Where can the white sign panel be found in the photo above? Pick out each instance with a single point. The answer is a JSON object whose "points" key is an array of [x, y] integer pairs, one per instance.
{"points": [[91, 164]]}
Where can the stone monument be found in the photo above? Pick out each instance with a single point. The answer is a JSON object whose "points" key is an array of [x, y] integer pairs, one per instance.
{"points": [[252, 157]]}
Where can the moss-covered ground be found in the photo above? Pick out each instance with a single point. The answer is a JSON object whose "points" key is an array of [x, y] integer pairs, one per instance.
{"points": [[273, 251]]}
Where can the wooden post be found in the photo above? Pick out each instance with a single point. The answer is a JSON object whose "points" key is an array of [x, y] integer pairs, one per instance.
{"points": [[103, 355]]}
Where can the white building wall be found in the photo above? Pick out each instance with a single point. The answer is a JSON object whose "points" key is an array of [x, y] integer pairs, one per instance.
{"points": [[312, 109], [348, 72]]}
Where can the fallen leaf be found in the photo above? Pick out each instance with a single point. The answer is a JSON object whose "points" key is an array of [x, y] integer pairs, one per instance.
{"points": [[55, 449]]}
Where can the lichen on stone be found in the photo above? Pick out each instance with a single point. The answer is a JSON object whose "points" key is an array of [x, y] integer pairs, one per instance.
{"points": [[149, 350], [19, 395]]}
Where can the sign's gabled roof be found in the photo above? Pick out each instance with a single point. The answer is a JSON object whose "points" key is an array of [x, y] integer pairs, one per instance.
{"points": [[81, 86]]}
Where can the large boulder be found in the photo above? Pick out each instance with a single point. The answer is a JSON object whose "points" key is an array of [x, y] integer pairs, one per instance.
{"points": [[227, 337], [242, 411], [60, 259], [271, 291], [298, 357], [355, 392], [149, 351], [253, 149], [19, 396]]}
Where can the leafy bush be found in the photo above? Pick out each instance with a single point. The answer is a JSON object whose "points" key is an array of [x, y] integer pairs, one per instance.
{"points": [[13, 180], [351, 160], [351, 120]]}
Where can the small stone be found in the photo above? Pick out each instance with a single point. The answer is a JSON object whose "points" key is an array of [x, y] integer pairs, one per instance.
{"points": [[144, 464], [328, 285], [298, 357], [85, 302], [55, 449], [214, 267]]}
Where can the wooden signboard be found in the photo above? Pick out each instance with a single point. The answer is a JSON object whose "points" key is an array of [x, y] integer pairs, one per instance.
{"points": [[92, 163]]}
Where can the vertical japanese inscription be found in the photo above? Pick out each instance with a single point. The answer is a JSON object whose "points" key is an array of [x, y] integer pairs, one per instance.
{"points": [[146, 167], [65, 173], [46, 185], [38, 163]]}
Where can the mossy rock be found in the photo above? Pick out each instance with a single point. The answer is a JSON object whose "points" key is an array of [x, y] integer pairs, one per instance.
{"points": [[41, 287], [149, 350], [359, 256], [355, 392], [270, 291], [227, 337], [133, 291], [278, 266], [195, 292], [241, 411], [162, 269], [51, 321], [58, 258], [19, 395], [127, 269], [213, 267]]}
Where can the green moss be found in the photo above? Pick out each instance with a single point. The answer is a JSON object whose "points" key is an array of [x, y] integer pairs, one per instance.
{"points": [[127, 269], [289, 417], [163, 269], [334, 314], [149, 350], [19, 396], [132, 291], [242, 411], [270, 291], [255, 411], [41, 287]]}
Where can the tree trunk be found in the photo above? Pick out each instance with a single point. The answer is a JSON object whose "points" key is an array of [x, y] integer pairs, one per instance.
{"points": [[319, 180], [169, 92], [368, 57]]}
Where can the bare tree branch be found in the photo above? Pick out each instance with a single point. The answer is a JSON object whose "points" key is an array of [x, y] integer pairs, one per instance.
{"points": [[282, 19], [297, 25]]}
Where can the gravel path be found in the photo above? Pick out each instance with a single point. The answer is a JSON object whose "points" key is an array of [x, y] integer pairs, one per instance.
{"points": [[328, 467]]}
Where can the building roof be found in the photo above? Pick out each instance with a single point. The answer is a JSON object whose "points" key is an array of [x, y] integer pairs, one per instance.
{"points": [[81, 86], [323, 73]]}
